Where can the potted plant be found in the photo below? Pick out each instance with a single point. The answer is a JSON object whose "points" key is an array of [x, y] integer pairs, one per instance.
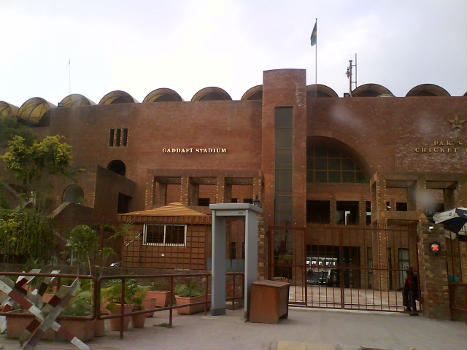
{"points": [[187, 294], [112, 297], [158, 294], [80, 305], [136, 297], [16, 322]]}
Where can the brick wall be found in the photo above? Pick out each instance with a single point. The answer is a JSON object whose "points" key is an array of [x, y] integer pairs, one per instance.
{"points": [[433, 272], [191, 256]]}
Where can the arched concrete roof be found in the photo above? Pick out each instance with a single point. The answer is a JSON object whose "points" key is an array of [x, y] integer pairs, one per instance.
{"points": [[162, 95], [33, 110], [117, 96], [320, 90], [427, 90], [7, 109], [211, 94], [371, 90], [253, 94], [75, 100]]}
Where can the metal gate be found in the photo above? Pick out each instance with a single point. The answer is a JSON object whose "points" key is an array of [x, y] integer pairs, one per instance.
{"points": [[346, 267]]}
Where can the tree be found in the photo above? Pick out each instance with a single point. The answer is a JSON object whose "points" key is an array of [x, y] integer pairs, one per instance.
{"points": [[84, 242], [10, 127], [25, 235], [34, 164]]}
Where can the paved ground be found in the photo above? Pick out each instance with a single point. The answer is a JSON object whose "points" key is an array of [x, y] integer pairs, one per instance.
{"points": [[308, 329]]}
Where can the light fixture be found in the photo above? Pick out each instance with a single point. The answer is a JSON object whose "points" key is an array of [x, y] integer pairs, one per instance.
{"points": [[431, 227]]}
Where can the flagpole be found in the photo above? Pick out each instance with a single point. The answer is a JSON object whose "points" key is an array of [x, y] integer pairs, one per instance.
{"points": [[316, 54]]}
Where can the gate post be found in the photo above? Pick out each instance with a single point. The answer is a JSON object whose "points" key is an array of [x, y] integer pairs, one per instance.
{"points": [[433, 271]]}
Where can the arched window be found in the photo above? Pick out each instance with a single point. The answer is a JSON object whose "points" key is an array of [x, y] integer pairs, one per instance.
{"points": [[117, 166], [328, 163], [73, 194]]}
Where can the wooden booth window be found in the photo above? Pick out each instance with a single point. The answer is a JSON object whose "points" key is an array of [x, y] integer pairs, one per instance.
{"points": [[166, 235]]}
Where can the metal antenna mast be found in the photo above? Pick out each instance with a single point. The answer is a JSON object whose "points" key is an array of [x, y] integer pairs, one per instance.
{"points": [[352, 67]]}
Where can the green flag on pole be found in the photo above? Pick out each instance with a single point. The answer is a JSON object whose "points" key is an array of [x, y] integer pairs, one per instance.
{"points": [[314, 34]]}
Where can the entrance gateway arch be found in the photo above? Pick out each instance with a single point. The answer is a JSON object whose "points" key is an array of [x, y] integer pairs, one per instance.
{"points": [[219, 214]]}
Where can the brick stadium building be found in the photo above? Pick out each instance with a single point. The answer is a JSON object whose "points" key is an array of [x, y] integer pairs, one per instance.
{"points": [[342, 181]]}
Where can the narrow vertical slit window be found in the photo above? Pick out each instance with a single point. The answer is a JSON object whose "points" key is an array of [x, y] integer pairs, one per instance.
{"points": [[125, 137], [111, 137], [118, 137]]}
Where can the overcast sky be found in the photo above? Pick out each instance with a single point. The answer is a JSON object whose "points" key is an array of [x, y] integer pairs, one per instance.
{"points": [[186, 45]]}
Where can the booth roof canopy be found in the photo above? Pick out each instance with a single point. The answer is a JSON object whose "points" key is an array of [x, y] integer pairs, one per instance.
{"points": [[175, 209]]}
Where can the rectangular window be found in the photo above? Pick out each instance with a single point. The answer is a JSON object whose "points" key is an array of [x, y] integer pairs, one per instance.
{"points": [[233, 250], [174, 235], [125, 137], [401, 206], [167, 235], [117, 137], [404, 263], [368, 212], [204, 202], [111, 137], [347, 213], [283, 164], [154, 234], [318, 212]]}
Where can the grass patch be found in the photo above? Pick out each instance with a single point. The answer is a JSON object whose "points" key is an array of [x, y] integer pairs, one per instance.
{"points": [[163, 324]]}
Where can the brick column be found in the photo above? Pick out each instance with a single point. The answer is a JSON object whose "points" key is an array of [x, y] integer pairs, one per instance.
{"points": [[261, 249], [149, 192], [362, 212], [184, 189], [160, 194], [258, 188], [380, 258], [221, 190], [433, 272]]}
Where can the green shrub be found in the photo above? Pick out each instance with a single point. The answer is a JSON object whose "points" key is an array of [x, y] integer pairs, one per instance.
{"points": [[161, 284], [80, 305], [189, 289], [25, 233]]}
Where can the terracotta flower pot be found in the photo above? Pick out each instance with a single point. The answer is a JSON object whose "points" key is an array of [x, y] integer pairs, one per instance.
{"points": [[115, 322], [99, 326], [163, 297], [16, 324], [138, 320], [82, 329], [191, 309], [149, 302]]}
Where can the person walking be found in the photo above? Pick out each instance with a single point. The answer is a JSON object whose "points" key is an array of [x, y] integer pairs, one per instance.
{"points": [[410, 293]]}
